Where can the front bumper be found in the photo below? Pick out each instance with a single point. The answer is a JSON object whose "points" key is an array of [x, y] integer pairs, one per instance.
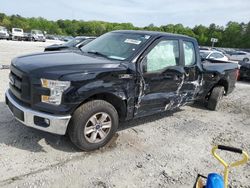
{"points": [[39, 39], [38, 120], [4, 37]]}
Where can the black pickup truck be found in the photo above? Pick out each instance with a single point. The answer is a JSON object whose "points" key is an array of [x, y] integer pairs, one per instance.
{"points": [[119, 76]]}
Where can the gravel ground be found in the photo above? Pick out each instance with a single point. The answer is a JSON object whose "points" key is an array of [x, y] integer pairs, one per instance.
{"points": [[164, 150]]}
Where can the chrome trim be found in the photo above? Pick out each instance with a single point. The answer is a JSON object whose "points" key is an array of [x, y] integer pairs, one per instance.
{"points": [[58, 124]]}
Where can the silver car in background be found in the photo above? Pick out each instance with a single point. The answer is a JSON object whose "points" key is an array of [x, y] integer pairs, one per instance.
{"points": [[240, 56], [212, 54], [37, 35]]}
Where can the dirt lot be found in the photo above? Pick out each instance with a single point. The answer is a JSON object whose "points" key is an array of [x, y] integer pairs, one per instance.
{"points": [[165, 150]]}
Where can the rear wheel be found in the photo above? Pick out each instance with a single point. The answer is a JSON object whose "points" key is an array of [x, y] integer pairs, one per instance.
{"points": [[93, 125], [245, 60], [214, 100]]}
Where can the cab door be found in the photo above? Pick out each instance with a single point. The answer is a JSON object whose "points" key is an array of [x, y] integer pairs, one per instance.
{"points": [[162, 75], [193, 76]]}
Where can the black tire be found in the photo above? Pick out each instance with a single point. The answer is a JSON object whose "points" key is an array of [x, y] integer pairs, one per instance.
{"points": [[245, 60], [80, 118], [215, 98]]}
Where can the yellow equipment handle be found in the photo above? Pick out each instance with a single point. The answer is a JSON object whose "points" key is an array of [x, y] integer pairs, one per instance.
{"points": [[226, 165]]}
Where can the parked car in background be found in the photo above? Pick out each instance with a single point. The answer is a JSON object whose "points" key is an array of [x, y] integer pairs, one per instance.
{"points": [[244, 70], [219, 50], [204, 48], [211, 54], [4, 34], [17, 34], [74, 44], [52, 37], [26, 36], [239, 56], [65, 38], [37, 35]]}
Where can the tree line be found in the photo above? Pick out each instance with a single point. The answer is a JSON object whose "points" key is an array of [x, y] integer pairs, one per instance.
{"points": [[233, 35]]}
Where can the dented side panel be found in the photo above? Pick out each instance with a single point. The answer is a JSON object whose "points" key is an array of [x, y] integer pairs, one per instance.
{"points": [[118, 81]]}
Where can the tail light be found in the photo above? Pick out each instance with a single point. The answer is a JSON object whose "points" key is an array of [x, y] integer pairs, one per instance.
{"points": [[237, 74]]}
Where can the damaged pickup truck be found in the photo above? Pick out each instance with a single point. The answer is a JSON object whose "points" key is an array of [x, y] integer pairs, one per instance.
{"points": [[119, 76]]}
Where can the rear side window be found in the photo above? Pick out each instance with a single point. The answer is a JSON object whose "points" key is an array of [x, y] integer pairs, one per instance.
{"points": [[189, 53]]}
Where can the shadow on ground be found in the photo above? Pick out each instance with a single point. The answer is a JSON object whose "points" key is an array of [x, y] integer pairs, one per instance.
{"points": [[244, 81], [14, 134]]}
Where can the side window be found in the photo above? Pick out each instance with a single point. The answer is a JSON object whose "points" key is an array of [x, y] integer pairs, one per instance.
{"points": [[219, 55], [164, 54], [189, 53], [212, 55]]}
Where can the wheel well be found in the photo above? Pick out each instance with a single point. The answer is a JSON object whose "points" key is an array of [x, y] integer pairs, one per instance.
{"points": [[223, 83], [119, 104]]}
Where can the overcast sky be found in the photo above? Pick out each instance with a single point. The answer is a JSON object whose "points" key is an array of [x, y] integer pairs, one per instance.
{"points": [[138, 12]]}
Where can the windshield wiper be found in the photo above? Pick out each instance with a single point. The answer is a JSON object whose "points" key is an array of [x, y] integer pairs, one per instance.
{"points": [[97, 53]]}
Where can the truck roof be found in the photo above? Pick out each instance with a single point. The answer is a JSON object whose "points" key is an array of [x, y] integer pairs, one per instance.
{"points": [[153, 33]]}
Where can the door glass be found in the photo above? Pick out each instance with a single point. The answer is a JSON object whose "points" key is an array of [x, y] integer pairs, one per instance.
{"points": [[164, 54], [219, 55], [213, 55], [189, 53]]}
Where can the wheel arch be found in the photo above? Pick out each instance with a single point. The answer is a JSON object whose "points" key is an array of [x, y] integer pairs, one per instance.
{"points": [[221, 82], [118, 102], [224, 83]]}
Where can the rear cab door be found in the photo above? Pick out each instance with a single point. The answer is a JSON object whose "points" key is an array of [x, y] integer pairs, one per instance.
{"points": [[192, 70]]}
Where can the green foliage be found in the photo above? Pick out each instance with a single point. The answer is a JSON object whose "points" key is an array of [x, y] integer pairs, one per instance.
{"points": [[233, 35]]}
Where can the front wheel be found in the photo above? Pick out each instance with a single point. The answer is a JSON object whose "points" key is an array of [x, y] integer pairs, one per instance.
{"points": [[93, 125], [215, 98]]}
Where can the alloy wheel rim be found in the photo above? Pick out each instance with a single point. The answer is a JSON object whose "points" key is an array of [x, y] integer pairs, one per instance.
{"points": [[97, 127]]}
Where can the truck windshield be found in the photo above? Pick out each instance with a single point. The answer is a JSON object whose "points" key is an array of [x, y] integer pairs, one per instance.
{"points": [[118, 46]]}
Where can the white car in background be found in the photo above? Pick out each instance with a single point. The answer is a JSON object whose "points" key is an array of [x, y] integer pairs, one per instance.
{"points": [[37, 35], [4, 34], [17, 34], [240, 56], [211, 54]]}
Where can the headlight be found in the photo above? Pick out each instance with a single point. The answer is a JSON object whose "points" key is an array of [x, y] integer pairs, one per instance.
{"points": [[56, 90]]}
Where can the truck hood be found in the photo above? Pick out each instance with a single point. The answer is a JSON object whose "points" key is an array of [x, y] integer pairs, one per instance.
{"points": [[53, 65]]}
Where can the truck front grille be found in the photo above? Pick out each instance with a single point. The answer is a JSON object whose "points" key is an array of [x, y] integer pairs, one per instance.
{"points": [[19, 84]]}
